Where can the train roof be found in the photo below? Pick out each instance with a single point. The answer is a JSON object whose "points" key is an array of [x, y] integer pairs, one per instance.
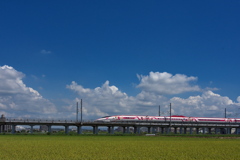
{"points": [[178, 116], [146, 115]]}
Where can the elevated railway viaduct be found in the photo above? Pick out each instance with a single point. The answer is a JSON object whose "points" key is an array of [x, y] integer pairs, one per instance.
{"points": [[152, 126]]}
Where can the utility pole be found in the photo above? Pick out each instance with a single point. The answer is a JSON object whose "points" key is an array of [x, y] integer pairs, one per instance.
{"points": [[81, 110], [225, 112], [77, 113], [170, 114], [159, 113]]}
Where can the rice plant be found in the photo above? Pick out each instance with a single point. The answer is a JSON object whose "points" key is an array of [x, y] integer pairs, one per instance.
{"points": [[116, 147]]}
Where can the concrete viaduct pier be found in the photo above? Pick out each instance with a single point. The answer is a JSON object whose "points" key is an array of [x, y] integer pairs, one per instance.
{"points": [[134, 126]]}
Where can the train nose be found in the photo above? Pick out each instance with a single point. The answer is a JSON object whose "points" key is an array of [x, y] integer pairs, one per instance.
{"points": [[101, 119]]}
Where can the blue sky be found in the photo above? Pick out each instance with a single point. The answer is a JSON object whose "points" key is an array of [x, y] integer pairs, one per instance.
{"points": [[130, 56]]}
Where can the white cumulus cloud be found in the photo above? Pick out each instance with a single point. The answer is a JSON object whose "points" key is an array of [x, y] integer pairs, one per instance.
{"points": [[238, 99], [16, 97], [105, 98], [166, 83], [18, 100], [208, 104], [109, 100]]}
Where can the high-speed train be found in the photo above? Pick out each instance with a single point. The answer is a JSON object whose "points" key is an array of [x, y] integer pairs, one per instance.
{"points": [[174, 118]]}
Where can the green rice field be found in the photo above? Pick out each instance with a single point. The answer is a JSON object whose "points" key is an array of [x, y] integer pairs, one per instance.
{"points": [[61, 147]]}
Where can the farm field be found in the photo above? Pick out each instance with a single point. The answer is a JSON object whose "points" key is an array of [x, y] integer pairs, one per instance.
{"points": [[116, 147]]}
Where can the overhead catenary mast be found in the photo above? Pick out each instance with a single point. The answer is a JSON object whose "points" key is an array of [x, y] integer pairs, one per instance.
{"points": [[81, 110], [159, 113], [225, 112], [170, 114], [77, 112]]}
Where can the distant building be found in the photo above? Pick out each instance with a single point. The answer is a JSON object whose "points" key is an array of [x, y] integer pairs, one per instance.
{"points": [[119, 129], [43, 128], [4, 128], [2, 119]]}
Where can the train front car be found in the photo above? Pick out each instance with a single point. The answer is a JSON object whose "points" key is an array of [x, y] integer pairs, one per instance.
{"points": [[106, 119]]}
